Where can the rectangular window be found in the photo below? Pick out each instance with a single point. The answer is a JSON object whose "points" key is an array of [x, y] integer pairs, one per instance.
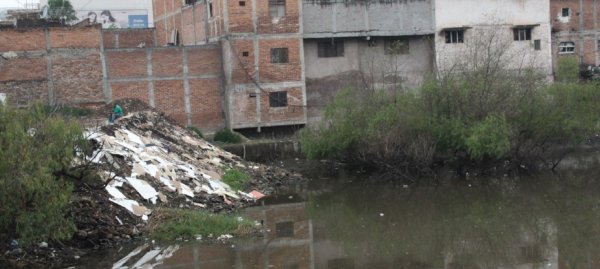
{"points": [[245, 53], [396, 46], [210, 10], [279, 55], [242, 3], [455, 36], [284, 229], [190, 2], [277, 8], [598, 44], [566, 12], [537, 44], [566, 47], [330, 48], [522, 34], [279, 99]]}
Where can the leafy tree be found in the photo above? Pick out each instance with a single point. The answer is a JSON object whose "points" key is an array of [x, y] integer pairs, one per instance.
{"points": [[36, 149], [61, 10]]}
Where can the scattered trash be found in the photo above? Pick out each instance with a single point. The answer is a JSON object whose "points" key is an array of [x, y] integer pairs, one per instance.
{"points": [[224, 237], [43, 245], [381, 214], [256, 194]]}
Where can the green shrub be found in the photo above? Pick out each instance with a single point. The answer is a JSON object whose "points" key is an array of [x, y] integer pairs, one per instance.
{"points": [[170, 224], [235, 178], [196, 131], [227, 136], [36, 149], [567, 69]]}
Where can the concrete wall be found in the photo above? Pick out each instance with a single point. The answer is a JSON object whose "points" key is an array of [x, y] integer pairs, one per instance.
{"points": [[581, 27], [77, 66], [364, 65], [350, 18], [494, 20]]}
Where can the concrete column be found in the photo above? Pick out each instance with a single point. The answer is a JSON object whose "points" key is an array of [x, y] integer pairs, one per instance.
{"points": [[150, 81], [186, 87], [105, 85]]}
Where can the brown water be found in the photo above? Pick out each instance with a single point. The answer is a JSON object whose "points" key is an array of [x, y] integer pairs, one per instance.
{"points": [[345, 221]]}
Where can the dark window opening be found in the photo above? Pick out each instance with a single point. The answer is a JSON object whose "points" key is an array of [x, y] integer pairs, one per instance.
{"points": [[279, 99], [372, 43], [566, 12], [277, 8], [396, 46], [210, 10], [330, 48], [190, 2], [242, 3], [522, 34], [245, 54], [455, 36], [537, 44], [598, 44], [279, 55]]}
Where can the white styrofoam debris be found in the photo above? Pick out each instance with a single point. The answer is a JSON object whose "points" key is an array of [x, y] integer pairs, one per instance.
{"points": [[189, 171], [142, 187], [126, 203], [146, 258], [167, 183], [114, 192], [133, 137]]}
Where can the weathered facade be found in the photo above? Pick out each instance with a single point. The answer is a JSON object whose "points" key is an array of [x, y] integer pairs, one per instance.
{"points": [[516, 30], [365, 44], [576, 30], [262, 50]]}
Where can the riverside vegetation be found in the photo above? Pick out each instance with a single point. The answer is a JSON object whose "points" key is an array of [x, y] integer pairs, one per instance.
{"points": [[487, 114]]}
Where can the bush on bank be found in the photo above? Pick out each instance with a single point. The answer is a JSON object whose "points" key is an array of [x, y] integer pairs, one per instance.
{"points": [[471, 117], [36, 150]]}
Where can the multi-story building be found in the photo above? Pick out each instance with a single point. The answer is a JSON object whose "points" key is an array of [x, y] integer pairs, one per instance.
{"points": [[262, 52], [576, 30], [514, 33]]}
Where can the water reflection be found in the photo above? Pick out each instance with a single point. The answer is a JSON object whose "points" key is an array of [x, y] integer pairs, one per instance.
{"points": [[540, 222]]}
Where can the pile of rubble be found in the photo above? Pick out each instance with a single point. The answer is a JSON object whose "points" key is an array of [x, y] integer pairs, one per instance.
{"points": [[146, 160]]}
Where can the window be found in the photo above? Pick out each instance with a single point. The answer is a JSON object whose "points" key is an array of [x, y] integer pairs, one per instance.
{"points": [[455, 36], [245, 53], [277, 8], [566, 12], [566, 47], [330, 48], [279, 55], [279, 99], [396, 46], [537, 44], [190, 2], [242, 3], [284, 229], [522, 34], [210, 10], [598, 44]]}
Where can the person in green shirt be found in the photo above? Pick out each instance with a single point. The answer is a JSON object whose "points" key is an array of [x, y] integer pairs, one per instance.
{"points": [[117, 112]]}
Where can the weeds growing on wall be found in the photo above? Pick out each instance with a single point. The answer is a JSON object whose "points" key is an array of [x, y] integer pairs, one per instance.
{"points": [[227, 136]]}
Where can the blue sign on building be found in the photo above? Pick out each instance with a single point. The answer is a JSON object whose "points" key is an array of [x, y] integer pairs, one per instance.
{"points": [[138, 21]]}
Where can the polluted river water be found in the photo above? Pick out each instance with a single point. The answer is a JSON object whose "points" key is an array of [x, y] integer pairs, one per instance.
{"points": [[344, 219]]}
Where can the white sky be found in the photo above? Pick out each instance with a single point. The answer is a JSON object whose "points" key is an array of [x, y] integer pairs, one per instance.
{"points": [[15, 3]]}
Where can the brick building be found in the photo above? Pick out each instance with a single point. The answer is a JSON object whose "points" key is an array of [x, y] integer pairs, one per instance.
{"points": [[261, 43], [576, 30]]}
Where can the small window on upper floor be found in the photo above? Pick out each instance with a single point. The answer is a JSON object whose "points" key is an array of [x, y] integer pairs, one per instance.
{"points": [[242, 3], [210, 10], [277, 8], [537, 44], [455, 36], [330, 48], [279, 55], [522, 34], [245, 53], [396, 46], [566, 12], [566, 47], [190, 2], [598, 44]]}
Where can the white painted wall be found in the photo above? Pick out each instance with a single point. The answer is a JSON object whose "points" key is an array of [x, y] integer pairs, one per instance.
{"points": [[495, 18], [119, 9]]}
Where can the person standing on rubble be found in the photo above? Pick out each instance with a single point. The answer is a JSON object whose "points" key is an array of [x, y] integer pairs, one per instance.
{"points": [[116, 113]]}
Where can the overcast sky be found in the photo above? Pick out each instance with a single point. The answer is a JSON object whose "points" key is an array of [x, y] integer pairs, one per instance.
{"points": [[14, 3]]}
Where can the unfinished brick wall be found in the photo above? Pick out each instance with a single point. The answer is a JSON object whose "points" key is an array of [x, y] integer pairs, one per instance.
{"points": [[279, 72], [240, 16], [186, 83]]}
